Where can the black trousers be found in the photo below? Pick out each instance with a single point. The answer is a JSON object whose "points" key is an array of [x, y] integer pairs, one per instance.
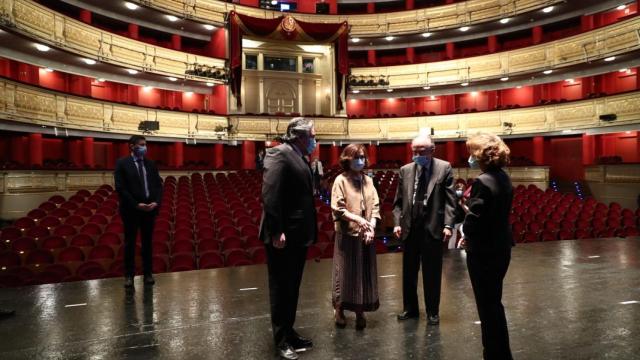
{"points": [[420, 248], [285, 268], [487, 273], [134, 221]]}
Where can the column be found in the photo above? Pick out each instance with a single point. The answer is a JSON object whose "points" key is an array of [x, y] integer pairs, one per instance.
{"points": [[588, 149], [409, 4], [176, 42], [111, 156], [134, 31], [450, 50], [218, 44], [248, 155], [492, 43], [178, 154], [371, 57], [300, 109], [87, 150], [373, 154], [333, 7], [334, 157], [586, 23], [261, 95], [218, 156], [35, 149], [85, 16], [408, 152], [371, 8], [318, 97], [452, 153], [536, 35], [538, 150], [411, 54], [19, 149]]}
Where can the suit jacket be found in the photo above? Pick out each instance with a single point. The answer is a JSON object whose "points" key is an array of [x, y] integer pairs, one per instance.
{"points": [[440, 199], [486, 225], [130, 187], [287, 198]]}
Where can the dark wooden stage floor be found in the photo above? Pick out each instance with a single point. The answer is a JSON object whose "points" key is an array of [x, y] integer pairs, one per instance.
{"points": [[564, 300]]}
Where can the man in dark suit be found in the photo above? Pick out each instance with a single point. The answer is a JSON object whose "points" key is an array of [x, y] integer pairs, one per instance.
{"points": [[139, 187], [287, 228], [424, 212]]}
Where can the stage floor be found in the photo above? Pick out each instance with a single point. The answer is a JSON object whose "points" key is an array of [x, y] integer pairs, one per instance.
{"points": [[564, 300]]}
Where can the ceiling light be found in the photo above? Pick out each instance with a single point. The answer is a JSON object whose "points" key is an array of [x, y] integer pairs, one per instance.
{"points": [[389, 38], [130, 6], [504, 21], [171, 18], [547, 72], [464, 28], [432, 97], [189, 93], [209, 27], [621, 7], [610, 58], [171, 78], [209, 84], [132, 71], [274, 2], [389, 90], [42, 48], [505, 78], [474, 93], [570, 81], [426, 87], [427, 34], [519, 87], [624, 70], [147, 88], [548, 9], [101, 80], [89, 61], [48, 69], [355, 40], [464, 84], [355, 91]]}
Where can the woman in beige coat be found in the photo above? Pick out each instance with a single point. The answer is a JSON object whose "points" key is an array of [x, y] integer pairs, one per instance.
{"points": [[356, 210]]}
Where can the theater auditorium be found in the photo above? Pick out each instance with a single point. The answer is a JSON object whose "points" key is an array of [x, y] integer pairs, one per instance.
{"points": [[188, 105]]}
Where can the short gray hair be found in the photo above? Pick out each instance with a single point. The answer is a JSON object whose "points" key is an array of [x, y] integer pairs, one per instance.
{"points": [[297, 127], [423, 139]]}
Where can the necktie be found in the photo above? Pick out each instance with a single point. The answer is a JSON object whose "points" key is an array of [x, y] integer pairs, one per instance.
{"points": [[419, 194], [139, 165]]}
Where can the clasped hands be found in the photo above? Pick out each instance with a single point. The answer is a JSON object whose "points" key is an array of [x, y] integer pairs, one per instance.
{"points": [[147, 207], [446, 233], [367, 230]]}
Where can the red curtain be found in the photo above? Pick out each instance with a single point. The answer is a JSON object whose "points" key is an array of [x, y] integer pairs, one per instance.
{"points": [[286, 28]]}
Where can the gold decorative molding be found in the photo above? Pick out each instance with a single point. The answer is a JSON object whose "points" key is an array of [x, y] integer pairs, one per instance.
{"points": [[45, 25], [619, 173], [597, 44], [31, 105], [401, 22]]}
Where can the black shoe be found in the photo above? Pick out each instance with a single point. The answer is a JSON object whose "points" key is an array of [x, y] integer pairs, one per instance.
{"points": [[433, 319], [285, 351], [148, 280], [406, 315], [128, 282], [6, 313], [300, 343]]}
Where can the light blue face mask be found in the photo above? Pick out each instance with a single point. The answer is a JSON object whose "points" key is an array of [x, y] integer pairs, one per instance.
{"points": [[459, 193], [357, 164], [140, 151], [311, 146], [473, 162], [421, 160]]}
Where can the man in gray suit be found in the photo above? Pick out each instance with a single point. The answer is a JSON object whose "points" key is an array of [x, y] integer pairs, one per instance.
{"points": [[287, 228], [424, 211]]}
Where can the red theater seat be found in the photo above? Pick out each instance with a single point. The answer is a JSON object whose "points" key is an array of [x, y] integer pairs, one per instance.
{"points": [[39, 257], [70, 254], [110, 239], [90, 270], [182, 262], [53, 243], [211, 260], [81, 240], [100, 252]]}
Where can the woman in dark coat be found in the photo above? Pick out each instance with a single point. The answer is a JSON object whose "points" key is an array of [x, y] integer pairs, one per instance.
{"points": [[488, 239]]}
